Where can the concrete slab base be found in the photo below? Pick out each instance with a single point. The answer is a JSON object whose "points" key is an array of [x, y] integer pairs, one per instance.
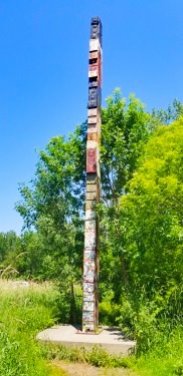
{"points": [[110, 339]]}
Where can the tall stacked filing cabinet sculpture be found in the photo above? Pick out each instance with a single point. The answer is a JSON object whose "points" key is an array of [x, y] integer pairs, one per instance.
{"points": [[90, 272]]}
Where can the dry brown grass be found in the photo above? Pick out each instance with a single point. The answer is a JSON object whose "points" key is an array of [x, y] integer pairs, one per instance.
{"points": [[81, 369]]}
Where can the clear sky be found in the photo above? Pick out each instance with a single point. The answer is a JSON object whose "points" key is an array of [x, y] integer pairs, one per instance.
{"points": [[43, 72]]}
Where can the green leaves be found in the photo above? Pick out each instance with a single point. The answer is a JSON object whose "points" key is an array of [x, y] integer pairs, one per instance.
{"points": [[152, 211], [124, 131], [140, 212], [54, 202]]}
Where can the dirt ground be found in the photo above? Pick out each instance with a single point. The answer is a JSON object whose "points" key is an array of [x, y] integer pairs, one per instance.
{"points": [[81, 369]]}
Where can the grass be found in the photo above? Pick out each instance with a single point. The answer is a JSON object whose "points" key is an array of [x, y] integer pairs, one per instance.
{"points": [[165, 358], [23, 312], [96, 356]]}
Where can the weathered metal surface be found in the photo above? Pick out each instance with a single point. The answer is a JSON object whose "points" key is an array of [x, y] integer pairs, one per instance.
{"points": [[94, 97], [94, 66], [89, 288], [93, 82], [92, 120], [89, 255], [90, 226], [91, 188], [90, 205], [91, 161], [93, 73], [93, 55], [92, 112], [94, 45], [96, 28], [92, 145], [92, 129], [90, 262], [90, 214], [92, 196], [89, 306], [89, 297], [90, 242], [90, 271]]}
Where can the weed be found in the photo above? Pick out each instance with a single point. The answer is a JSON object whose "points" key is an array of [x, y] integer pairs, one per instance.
{"points": [[96, 356], [23, 312]]}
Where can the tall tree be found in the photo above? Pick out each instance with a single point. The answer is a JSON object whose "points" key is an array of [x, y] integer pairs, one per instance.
{"points": [[150, 216], [126, 127], [53, 203]]}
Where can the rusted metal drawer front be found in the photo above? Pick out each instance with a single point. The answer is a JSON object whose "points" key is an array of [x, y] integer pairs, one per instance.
{"points": [[93, 67], [92, 120], [92, 112], [93, 55], [92, 136], [91, 163]]}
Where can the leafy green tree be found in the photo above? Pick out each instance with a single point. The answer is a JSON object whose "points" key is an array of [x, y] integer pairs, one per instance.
{"points": [[54, 201], [147, 236], [10, 251], [172, 113], [150, 215], [126, 127], [30, 260], [53, 206]]}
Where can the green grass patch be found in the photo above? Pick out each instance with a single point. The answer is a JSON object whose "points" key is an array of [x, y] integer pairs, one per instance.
{"points": [[165, 358], [96, 356], [23, 312]]}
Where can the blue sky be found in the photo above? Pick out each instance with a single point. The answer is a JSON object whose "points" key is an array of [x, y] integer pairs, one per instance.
{"points": [[43, 72]]}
